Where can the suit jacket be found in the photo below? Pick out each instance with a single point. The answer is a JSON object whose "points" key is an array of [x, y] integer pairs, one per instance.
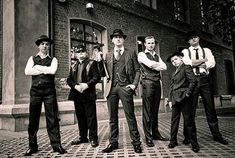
{"points": [[132, 69], [183, 82], [90, 75]]}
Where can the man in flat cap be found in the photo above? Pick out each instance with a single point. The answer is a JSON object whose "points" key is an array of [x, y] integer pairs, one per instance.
{"points": [[83, 77], [202, 60], [42, 68], [124, 73]]}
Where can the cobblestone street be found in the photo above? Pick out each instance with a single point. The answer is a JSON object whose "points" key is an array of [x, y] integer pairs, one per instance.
{"points": [[16, 144]]}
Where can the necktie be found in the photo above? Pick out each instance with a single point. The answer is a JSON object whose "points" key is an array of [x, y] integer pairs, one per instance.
{"points": [[118, 54], [197, 57], [79, 74]]}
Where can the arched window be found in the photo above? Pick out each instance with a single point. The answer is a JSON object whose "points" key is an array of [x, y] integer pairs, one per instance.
{"points": [[87, 33]]}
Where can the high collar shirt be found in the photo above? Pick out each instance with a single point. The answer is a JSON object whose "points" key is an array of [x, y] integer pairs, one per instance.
{"points": [[116, 49], [210, 63], [32, 69], [143, 59]]}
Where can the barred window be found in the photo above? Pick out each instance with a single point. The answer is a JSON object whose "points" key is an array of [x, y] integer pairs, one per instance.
{"points": [[181, 10], [149, 3]]}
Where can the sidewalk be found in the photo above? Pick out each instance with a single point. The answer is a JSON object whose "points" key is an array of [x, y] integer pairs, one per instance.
{"points": [[14, 144]]}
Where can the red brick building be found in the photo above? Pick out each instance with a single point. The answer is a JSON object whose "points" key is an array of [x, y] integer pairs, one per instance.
{"points": [[73, 22]]}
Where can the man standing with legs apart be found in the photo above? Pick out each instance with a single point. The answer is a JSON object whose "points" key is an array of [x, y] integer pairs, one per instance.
{"points": [[124, 73], [42, 68], [202, 60], [83, 77], [151, 65]]}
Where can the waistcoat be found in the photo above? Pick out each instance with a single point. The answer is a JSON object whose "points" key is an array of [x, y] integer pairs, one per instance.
{"points": [[43, 80], [148, 73]]}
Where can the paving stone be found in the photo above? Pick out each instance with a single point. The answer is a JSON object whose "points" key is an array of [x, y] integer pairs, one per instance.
{"points": [[209, 148]]}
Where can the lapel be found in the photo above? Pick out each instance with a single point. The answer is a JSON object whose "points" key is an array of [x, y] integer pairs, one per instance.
{"points": [[109, 60], [178, 70]]}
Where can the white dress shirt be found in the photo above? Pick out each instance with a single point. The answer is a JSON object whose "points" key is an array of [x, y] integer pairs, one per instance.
{"points": [[210, 63], [32, 69], [116, 49], [142, 58]]}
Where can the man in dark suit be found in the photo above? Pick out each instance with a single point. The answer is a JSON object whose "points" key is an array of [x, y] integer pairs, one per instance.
{"points": [[83, 77], [182, 85], [124, 73]]}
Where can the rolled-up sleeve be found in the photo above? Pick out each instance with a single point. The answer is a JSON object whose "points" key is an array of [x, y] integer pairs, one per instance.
{"points": [[30, 69], [142, 58], [186, 59], [210, 63]]}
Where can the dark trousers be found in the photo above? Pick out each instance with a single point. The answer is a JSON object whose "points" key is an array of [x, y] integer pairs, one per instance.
{"points": [[87, 118], [203, 89], [48, 97], [151, 100], [184, 107], [126, 96]]}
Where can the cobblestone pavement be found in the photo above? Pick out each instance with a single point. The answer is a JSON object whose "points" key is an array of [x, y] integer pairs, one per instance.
{"points": [[15, 147]]}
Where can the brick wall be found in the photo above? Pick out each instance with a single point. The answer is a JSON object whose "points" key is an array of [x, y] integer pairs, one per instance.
{"points": [[1, 50], [134, 20]]}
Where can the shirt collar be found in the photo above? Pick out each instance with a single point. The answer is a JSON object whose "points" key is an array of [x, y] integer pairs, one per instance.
{"points": [[192, 48], [152, 53], [116, 48], [46, 55]]}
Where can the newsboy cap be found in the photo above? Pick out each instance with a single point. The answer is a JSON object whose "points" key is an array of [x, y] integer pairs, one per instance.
{"points": [[192, 34], [118, 32], [80, 48], [43, 38], [174, 54]]}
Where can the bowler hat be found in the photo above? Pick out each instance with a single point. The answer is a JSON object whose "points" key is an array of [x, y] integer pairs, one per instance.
{"points": [[42, 38], [80, 48], [174, 54], [118, 32], [192, 34]]}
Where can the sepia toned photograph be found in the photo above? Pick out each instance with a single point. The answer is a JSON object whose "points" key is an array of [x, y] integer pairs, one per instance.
{"points": [[117, 78]]}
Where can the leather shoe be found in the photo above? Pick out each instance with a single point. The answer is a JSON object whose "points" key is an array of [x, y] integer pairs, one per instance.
{"points": [[195, 147], [172, 145], [110, 148], [221, 140], [60, 150], [149, 143], [79, 141], [30, 151], [137, 148], [161, 138], [186, 142], [94, 143]]}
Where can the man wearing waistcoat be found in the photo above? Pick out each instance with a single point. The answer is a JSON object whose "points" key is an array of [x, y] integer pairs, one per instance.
{"points": [[42, 68], [151, 66], [83, 77], [202, 60], [124, 73]]}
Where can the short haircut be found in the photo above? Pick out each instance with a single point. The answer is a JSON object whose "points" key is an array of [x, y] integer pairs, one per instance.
{"points": [[148, 37]]}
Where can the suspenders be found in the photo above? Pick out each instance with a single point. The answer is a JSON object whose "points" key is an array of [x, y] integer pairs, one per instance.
{"points": [[190, 56], [203, 52]]}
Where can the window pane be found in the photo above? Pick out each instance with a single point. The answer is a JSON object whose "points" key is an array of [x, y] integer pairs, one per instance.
{"points": [[146, 2], [154, 4], [180, 13], [76, 31]]}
